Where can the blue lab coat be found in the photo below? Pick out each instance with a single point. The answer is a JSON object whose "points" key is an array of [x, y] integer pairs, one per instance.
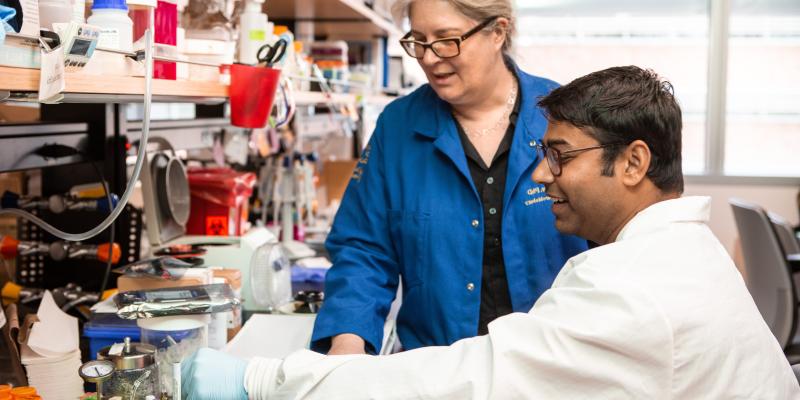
{"points": [[411, 212]]}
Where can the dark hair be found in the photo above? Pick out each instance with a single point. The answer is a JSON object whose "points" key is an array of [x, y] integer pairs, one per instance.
{"points": [[623, 104]]}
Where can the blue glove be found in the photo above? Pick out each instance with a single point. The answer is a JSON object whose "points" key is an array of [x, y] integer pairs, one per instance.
{"points": [[6, 13], [212, 375]]}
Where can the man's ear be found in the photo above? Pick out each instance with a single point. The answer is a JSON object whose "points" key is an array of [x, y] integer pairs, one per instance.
{"points": [[635, 162]]}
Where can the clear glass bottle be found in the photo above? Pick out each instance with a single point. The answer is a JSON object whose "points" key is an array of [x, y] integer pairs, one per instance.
{"points": [[136, 372]]}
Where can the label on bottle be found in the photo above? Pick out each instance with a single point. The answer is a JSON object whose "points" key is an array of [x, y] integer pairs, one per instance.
{"points": [[257, 35], [109, 38], [116, 349]]}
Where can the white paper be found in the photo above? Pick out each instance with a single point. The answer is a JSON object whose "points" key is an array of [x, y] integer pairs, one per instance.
{"points": [[106, 306], [2, 318], [30, 17], [56, 333], [51, 80], [272, 336]]}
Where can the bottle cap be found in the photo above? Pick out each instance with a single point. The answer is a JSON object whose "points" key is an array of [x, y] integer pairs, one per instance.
{"points": [[109, 4], [280, 29]]}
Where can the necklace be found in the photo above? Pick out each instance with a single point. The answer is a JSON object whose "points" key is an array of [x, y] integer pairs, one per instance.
{"points": [[512, 98]]}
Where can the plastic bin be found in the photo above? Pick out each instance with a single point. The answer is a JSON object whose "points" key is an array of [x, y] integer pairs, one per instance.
{"points": [[219, 201], [106, 329], [308, 279]]}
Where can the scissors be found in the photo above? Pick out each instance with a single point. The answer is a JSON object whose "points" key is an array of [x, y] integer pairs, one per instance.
{"points": [[269, 54]]}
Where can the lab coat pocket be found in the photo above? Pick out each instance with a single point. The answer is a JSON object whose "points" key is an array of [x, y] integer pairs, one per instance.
{"points": [[410, 232]]}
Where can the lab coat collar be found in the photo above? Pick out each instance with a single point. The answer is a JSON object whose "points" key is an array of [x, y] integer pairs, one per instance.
{"points": [[684, 209]]}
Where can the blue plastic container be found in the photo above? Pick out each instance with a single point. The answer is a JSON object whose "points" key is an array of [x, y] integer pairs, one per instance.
{"points": [[106, 329], [308, 279]]}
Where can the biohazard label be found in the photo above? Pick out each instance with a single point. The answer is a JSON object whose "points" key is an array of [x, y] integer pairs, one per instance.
{"points": [[217, 226]]}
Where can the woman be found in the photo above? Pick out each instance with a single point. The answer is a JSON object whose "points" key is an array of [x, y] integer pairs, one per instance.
{"points": [[440, 197]]}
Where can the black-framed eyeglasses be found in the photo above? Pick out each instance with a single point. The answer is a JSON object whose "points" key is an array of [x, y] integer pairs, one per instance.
{"points": [[555, 158], [448, 47]]}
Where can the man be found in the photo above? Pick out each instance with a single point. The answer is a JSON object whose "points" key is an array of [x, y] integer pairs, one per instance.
{"points": [[657, 311]]}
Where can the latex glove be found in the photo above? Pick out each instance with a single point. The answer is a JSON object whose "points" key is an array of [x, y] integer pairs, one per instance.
{"points": [[6, 13], [212, 375]]}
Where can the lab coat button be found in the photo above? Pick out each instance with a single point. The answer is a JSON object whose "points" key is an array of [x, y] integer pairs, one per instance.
{"points": [[470, 286], [532, 143], [475, 223]]}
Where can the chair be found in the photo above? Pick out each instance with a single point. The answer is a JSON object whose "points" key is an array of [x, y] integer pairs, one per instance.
{"points": [[789, 242], [769, 276], [796, 370]]}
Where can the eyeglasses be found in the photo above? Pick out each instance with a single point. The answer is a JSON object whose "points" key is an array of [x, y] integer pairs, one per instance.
{"points": [[555, 158], [443, 48]]}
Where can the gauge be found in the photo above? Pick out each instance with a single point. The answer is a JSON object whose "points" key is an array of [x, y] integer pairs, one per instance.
{"points": [[96, 371]]}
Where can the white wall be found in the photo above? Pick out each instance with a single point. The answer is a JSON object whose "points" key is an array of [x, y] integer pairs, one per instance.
{"points": [[780, 199]]}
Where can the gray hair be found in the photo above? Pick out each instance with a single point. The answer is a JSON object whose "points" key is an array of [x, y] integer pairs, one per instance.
{"points": [[478, 10]]}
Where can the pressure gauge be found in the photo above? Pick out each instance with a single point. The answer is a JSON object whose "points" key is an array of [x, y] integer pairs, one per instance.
{"points": [[97, 372]]}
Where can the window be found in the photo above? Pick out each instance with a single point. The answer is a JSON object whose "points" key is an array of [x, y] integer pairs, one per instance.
{"points": [[762, 130], [563, 40]]}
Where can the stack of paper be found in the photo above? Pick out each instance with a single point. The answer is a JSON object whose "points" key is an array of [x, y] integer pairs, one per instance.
{"points": [[51, 355], [286, 333]]}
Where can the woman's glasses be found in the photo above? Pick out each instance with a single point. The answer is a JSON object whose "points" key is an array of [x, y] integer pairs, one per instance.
{"points": [[443, 48]]}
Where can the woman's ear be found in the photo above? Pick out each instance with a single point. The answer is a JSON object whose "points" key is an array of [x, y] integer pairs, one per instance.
{"points": [[635, 162], [500, 30]]}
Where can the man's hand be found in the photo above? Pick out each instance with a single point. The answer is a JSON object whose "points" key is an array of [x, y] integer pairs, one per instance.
{"points": [[212, 375], [346, 343]]}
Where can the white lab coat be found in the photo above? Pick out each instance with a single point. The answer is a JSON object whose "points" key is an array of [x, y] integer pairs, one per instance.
{"points": [[662, 313]]}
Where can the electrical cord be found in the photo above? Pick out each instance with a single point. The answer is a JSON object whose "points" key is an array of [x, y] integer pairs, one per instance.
{"points": [[137, 169], [107, 272]]}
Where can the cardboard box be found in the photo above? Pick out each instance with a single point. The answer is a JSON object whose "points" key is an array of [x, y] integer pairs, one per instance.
{"points": [[19, 113], [334, 177], [194, 276]]}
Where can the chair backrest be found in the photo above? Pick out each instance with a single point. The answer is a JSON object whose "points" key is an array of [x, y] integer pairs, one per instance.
{"points": [[768, 277], [785, 233]]}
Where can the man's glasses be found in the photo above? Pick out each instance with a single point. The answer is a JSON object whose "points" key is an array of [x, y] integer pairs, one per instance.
{"points": [[443, 48], [555, 158]]}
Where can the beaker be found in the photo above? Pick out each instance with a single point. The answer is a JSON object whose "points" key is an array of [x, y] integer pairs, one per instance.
{"points": [[174, 338]]}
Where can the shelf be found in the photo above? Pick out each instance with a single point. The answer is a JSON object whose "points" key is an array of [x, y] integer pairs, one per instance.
{"points": [[91, 88], [343, 18], [318, 98], [83, 88]]}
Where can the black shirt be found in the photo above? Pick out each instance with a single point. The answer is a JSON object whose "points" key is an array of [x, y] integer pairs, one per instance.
{"points": [[490, 182]]}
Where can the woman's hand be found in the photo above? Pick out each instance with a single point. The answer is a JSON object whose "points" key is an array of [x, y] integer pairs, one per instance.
{"points": [[346, 343]]}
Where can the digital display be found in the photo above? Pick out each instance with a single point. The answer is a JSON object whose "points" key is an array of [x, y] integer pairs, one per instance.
{"points": [[169, 295], [80, 47]]}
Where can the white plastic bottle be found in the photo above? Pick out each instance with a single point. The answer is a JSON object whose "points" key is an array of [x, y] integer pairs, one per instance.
{"points": [[254, 31], [117, 27], [287, 62], [54, 11]]}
